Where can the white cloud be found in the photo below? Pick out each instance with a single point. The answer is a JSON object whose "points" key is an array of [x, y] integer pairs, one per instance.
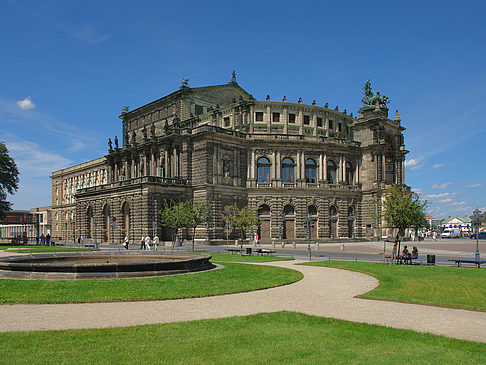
{"points": [[441, 186], [26, 104], [437, 165], [447, 200], [457, 204], [85, 34], [414, 163], [475, 186], [441, 195]]}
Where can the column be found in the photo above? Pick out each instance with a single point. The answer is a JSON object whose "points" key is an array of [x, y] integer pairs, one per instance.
{"points": [[356, 171], [252, 163], [273, 170], [269, 119], [344, 170], [279, 170], [297, 173], [320, 169], [324, 168], [252, 118]]}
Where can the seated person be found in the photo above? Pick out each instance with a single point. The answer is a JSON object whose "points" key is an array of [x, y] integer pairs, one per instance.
{"points": [[406, 255], [414, 252]]}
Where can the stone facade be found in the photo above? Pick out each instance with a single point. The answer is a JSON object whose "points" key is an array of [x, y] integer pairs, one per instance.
{"points": [[295, 162]]}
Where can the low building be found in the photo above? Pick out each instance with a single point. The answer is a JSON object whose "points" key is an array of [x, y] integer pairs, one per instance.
{"points": [[18, 226], [295, 162], [464, 223], [43, 219]]}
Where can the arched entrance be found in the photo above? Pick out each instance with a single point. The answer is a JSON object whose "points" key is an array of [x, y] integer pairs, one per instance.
{"points": [[333, 218], [289, 226], [90, 223], [126, 220], [106, 223], [351, 220], [264, 228], [312, 214]]}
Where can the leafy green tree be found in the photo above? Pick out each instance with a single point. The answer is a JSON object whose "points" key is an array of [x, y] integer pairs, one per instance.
{"points": [[402, 209], [187, 214], [242, 219], [9, 179]]}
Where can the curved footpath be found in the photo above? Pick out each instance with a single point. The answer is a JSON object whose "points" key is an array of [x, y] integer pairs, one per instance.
{"points": [[324, 292]]}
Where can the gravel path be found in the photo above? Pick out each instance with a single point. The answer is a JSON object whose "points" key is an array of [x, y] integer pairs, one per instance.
{"points": [[324, 292]]}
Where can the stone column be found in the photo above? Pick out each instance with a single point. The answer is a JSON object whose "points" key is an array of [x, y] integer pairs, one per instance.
{"points": [[324, 168], [297, 173], [269, 119], [252, 163], [285, 115], [252, 118], [320, 170], [273, 170]]}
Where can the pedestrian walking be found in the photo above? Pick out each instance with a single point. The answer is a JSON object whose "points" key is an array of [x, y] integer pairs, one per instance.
{"points": [[142, 243], [48, 239], [255, 240], [36, 239], [434, 235], [156, 242], [79, 241], [42, 239], [147, 243], [126, 242]]}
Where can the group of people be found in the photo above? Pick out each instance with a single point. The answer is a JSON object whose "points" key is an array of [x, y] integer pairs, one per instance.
{"points": [[144, 242], [422, 235], [406, 257], [43, 240]]}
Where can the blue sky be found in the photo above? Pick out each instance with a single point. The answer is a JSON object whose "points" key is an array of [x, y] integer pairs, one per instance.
{"points": [[68, 67]]}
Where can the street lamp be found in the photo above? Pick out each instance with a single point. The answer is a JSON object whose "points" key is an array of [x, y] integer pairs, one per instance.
{"points": [[309, 220], [477, 221], [96, 242]]}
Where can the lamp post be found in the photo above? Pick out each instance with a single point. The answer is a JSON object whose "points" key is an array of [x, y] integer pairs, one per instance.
{"points": [[227, 232], [477, 221], [113, 226], [308, 236], [280, 218]]}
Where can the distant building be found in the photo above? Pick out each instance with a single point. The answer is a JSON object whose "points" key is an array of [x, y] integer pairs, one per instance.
{"points": [[18, 226], [43, 215], [294, 162], [464, 223], [433, 222]]}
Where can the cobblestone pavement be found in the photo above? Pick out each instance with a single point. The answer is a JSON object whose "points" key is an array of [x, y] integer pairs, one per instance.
{"points": [[325, 292]]}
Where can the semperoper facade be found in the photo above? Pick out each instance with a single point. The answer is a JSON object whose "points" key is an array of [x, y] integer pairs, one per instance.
{"points": [[293, 161]]}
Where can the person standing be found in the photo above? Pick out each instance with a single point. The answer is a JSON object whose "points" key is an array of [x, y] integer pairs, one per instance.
{"points": [[79, 241], [147, 243], [36, 239], [126, 242], [48, 239], [142, 243], [156, 242]]}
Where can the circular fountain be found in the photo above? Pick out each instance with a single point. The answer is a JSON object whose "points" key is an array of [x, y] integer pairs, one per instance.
{"points": [[109, 264]]}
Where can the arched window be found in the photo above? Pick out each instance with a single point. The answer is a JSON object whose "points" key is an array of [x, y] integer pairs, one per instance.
{"points": [[289, 210], [312, 210], [310, 171], [264, 210], [331, 172], [332, 212], [349, 173], [263, 169], [287, 170]]}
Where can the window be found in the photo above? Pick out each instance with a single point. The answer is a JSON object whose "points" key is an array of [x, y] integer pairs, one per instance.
{"points": [[310, 171], [259, 116], [331, 124], [276, 117], [226, 122], [199, 109], [306, 120], [319, 122], [349, 173], [291, 118], [289, 210], [331, 172], [312, 210], [347, 130], [263, 170], [339, 127], [287, 170], [264, 210]]}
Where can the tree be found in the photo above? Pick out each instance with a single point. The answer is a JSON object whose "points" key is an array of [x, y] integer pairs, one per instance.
{"points": [[243, 219], [9, 179], [402, 209], [187, 214]]}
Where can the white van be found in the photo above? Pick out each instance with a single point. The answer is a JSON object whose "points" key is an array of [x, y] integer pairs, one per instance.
{"points": [[450, 233]]}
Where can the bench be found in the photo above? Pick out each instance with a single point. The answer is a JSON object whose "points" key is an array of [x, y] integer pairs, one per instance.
{"points": [[233, 250], [468, 261], [263, 251]]}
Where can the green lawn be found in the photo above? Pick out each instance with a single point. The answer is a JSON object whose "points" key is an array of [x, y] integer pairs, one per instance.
{"points": [[458, 287], [233, 278], [270, 338], [224, 257]]}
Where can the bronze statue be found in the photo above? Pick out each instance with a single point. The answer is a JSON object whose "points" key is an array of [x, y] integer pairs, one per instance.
{"points": [[144, 131], [152, 130], [110, 145], [369, 100], [116, 142]]}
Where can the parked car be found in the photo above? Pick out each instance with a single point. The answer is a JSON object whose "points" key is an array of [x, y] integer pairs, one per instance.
{"points": [[482, 236], [450, 233]]}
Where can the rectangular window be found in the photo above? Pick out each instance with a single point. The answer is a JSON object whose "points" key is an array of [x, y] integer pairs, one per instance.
{"points": [[306, 119], [347, 130], [226, 122], [259, 116], [199, 109], [319, 122], [339, 127], [291, 118], [276, 117], [331, 125]]}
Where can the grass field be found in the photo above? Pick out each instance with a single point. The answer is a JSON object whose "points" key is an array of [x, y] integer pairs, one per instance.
{"points": [[233, 278], [457, 287], [270, 338], [224, 257]]}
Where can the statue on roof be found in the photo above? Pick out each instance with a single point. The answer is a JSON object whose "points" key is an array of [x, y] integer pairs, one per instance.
{"points": [[116, 142], [369, 100], [184, 83], [233, 77], [110, 145]]}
